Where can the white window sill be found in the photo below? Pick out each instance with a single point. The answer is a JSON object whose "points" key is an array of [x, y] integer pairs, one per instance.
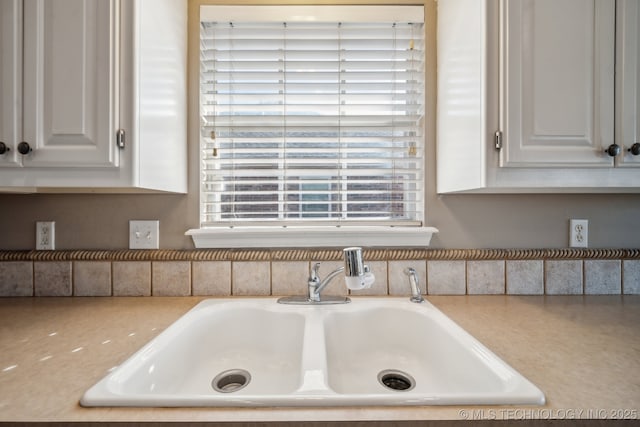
{"points": [[301, 237]]}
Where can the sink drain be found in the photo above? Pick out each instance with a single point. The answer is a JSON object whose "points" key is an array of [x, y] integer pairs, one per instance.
{"points": [[231, 381], [396, 380]]}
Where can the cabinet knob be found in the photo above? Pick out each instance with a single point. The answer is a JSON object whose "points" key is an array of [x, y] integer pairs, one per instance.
{"points": [[635, 149], [3, 148], [613, 150], [24, 148]]}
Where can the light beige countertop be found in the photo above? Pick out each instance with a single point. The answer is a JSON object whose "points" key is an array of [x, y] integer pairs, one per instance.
{"points": [[582, 351]]}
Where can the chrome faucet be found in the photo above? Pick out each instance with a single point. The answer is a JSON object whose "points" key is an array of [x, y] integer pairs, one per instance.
{"points": [[357, 276], [416, 294], [316, 285]]}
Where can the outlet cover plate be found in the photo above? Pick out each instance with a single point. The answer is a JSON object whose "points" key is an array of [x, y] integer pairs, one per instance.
{"points": [[45, 235], [144, 234], [579, 233]]}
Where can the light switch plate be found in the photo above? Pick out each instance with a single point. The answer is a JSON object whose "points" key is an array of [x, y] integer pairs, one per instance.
{"points": [[144, 234]]}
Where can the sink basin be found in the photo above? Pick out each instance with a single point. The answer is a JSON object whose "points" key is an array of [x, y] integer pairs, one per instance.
{"points": [[426, 358], [256, 352], [179, 366]]}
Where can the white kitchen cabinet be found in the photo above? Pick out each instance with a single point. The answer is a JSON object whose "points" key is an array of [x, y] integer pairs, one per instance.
{"points": [[526, 93], [68, 86], [558, 82], [10, 81], [628, 82], [101, 98]]}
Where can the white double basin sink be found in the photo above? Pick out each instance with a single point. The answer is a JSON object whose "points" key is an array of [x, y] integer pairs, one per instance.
{"points": [[256, 352]]}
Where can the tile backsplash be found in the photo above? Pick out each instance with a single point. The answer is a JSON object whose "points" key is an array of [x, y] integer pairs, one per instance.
{"points": [[284, 272]]}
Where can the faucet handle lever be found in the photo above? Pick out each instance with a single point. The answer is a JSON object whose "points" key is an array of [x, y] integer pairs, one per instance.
{"points": [[314, 274]]}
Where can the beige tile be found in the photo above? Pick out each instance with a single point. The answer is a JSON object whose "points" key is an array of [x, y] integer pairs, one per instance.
{"points": [[289, 277], [171, 278], [399, 281], [631, 276], [16, 279], [525, 277], [52, 278], [485, 277], [211, 278], [92, 278], [602, 277], [563, 277], [380, 286], [446, 278], [131, 278], [251, 278]]}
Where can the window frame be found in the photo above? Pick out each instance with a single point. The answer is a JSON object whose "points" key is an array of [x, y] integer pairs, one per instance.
{"points": [[306, 234]]}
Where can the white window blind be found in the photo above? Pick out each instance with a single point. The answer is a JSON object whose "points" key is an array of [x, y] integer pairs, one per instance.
{"points": [[306, 122]]}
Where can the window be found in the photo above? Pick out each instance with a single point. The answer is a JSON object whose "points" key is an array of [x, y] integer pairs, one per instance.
{"points": [[311, 119]]}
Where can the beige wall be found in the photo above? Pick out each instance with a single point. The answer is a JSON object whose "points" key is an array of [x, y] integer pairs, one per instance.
{"points": [[464, 221], [100, 221]]}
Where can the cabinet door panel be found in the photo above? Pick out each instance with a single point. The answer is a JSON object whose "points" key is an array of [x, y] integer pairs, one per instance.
{"points": [[68, 83], [10, 80], [558, 82], [628, 80]]}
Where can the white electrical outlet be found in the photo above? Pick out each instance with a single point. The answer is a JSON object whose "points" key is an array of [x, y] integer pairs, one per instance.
{"points": [[144, 234], [578, 233], [45, 235]]}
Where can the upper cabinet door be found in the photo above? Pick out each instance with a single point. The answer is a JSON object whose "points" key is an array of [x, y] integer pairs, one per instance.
{"points": [[10, 81], [628, 82], [69, 80], [558, 82]]}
